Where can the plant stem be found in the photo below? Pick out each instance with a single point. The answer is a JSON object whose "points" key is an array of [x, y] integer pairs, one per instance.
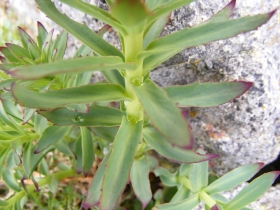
{"points": [[133, 45], [186, 182], [207, 199], [44, 181]]}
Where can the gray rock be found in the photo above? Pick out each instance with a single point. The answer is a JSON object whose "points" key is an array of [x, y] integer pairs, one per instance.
{"points": [[246, 130]]}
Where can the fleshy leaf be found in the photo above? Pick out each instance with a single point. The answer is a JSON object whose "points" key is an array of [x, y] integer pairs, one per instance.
{"points": [[28, 113], [206, 94], [189, 203], [8, 55], [198, 35], [253, 191], [153, 138], [87, 150], [50, 136], [60, 46], [118, 167], [17, 50], [80, 31], [10, 180], [24, 37], [56, 98], [77, 65], [106, 133], [42, 34], [233, 178], [198, 176], [166, 177], [95, 12], [182, 194], [167, 7], [224, 14], [95, 188], [96, 116], [164, 114], [139, 176]]}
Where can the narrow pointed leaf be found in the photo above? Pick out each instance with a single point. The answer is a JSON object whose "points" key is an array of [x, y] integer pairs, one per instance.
{"points": [[106, 133], [155, 30], [164, 114], [28, 113], [153, 138], [204, 33], [166, 177], [8, 120], [96, 116], [207, 94], [7, 53], [30, 160], [88, 150], [139, 177], [182, 194], [4, 60], [56, 98], [223, 14], [60, 46], [167, 7], [78, 151], [10, 180], [155, 57], [233, 178], [95, 188], [42, 34], [33, 49], [18, 51], [50, 136], [3, 154], [83, 79], [189, 203], [154, 4], [47, 48], [40, 124], [82, 51], [118, 167], [8, 66], [95, 12], [25, 38], [253, 191], [80, 31], [199, 176], [113, 76], [63, 147], [77, 65]]}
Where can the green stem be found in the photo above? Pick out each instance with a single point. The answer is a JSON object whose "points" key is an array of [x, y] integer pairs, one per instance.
{"points": [[133, 45], [44, 181], [207, 199], [186, 182]]}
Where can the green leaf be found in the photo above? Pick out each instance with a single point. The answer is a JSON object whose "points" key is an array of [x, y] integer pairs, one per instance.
{"points": [[158, 51], [30, 160], [78, 151], [42, 34], [155, 30], [82, 51], [24, 37], [151, 4], [63, 147], [198, 176], [164, 114], [18, 51], [206, 94], [253, 191], [96, 116], [80, 31], [8, 55], [4, 60], [50, 136], [27, 114], [77, 65], [139, 176], [189, 203], [8, 120], [233, 178], [3, 155], [119, 165], [40, 124], [10, 180], [95, 188], [33, 49], [114, 76], [166, 177], [153, 138], [166, 8], [182, 194], [134, 23], [55, 98], [106, 133], [87, 150], [59, 46], [47, 48], [95, 12], [223, 14], [185, 169]]}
